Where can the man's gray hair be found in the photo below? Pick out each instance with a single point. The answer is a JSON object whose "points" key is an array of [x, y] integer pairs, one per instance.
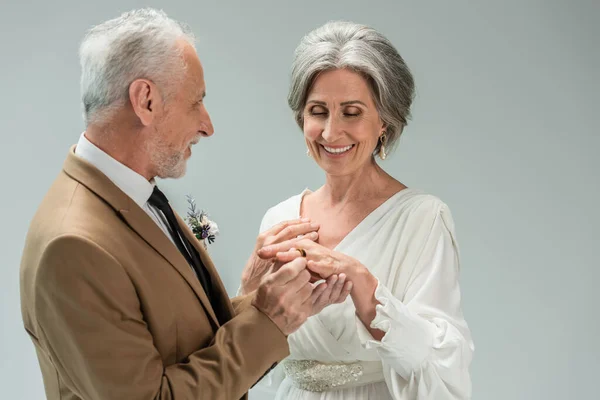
{"points": [[138, 44], [347, 45]]}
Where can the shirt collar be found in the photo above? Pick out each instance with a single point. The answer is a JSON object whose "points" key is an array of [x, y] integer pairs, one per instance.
{"points": [[130, 182]]}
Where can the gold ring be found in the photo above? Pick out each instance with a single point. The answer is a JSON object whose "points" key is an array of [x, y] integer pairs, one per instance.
{"points": [[302, 252]]}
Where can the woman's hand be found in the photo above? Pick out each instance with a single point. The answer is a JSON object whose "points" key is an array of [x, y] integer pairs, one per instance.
{"points": [[321, 261], [333, 291], [286, 233], [324, 263]]}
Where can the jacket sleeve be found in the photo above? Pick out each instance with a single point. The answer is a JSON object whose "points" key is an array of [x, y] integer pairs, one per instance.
{"points": [[90, 320], [241, 303]]}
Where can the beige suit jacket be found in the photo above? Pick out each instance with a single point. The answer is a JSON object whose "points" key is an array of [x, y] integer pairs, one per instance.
{"points": [[115, 311]]}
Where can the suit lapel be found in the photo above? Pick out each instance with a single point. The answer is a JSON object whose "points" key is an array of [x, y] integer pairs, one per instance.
{"points": [[210, 267], [137, 219], [141, 223]]}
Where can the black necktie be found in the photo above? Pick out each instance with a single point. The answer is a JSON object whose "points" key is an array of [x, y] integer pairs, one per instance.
{"points": [[159, 200]]}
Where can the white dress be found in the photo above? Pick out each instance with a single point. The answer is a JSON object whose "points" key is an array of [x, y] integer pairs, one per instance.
{"points": [[408, 243]]}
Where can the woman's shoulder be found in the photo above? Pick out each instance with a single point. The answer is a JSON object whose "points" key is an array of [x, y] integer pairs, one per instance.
{"points": [[420, 205], [422, 200]]}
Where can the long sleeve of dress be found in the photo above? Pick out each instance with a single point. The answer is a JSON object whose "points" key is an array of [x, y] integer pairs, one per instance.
{"points": [[427, 348]]}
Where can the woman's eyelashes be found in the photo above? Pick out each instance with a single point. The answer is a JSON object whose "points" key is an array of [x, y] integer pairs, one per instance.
{"points": [[320, 111]]}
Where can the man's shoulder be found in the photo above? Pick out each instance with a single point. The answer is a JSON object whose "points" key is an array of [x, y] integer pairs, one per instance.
{"points": [[70, 209], [69, 221]]}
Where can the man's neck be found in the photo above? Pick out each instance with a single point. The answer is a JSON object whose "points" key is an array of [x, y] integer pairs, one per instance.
{"points": [[124, 146]]}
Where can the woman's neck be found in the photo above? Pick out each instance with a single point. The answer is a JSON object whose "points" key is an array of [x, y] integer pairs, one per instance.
{"points": [[369, 182]]}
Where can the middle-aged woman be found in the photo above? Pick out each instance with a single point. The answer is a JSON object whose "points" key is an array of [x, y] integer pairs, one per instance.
{"points": [[401, 332]]}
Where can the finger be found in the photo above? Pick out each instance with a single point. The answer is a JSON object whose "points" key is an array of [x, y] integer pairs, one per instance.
{"points": [[288, 256], [300, 283], [326, 298], [326, 295], [320, 289], [321, 293], [305, 292], [345, 292], [275, 230], [271, 251], [333, 280], [337, 288], [309, 236], [293, 231], [322, 268], [290, 271]]}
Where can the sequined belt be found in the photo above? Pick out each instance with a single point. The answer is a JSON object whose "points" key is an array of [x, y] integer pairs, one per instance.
{"points": [[316, 376]]}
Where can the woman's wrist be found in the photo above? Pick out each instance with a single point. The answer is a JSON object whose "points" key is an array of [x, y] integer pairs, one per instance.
{"points": [[364, 284], [365, 302], [354, 271]]}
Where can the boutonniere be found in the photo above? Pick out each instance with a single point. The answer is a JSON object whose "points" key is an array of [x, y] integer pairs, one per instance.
{"points": [[203, 228]]}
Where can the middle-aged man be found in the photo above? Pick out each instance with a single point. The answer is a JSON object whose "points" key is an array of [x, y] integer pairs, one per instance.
{"points": [[119, 298]]}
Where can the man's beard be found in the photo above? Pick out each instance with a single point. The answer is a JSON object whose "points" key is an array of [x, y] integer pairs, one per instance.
{"points": [[169, 163]]}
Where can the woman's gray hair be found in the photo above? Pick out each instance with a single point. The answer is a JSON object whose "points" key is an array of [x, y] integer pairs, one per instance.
{"points": [[347, 45], [138, 44]]}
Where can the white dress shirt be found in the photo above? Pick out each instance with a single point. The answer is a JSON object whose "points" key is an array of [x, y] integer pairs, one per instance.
{"points": [[130, 182]]}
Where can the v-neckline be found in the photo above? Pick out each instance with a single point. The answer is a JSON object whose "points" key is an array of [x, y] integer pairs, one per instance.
{"points": [[376, 212]]}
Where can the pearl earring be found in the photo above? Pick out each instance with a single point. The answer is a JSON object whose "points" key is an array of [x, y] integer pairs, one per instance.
{"points": [[383, 140]]}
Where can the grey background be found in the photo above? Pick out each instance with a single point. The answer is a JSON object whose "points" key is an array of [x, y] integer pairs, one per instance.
{"points": [[504, 130]]}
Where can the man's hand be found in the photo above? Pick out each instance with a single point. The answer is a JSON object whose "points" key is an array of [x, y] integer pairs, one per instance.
{"points": [[338, 286], [288, 298], [285, 233]]}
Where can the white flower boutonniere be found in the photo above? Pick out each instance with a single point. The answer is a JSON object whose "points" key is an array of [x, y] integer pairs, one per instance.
{"points": [[203, 228]]}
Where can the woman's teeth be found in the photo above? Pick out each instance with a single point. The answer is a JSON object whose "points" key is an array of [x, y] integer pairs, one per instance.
{"points": [[337, 150]]}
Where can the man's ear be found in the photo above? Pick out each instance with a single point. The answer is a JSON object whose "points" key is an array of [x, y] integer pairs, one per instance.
{"points": [[145, 99]]}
